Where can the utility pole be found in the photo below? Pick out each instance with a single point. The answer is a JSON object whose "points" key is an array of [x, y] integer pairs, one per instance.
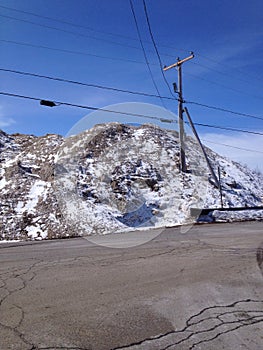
{"points": [[220, 187], [180, 108]]}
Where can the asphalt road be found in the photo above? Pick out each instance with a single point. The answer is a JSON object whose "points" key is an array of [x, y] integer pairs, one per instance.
{"points": [[199, 290]]}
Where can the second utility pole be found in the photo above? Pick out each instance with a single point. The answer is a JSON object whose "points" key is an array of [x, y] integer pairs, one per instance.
{"points": [[180, 109]]}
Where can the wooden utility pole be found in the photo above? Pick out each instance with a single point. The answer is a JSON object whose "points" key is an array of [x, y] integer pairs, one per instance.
{"points": [[220, 187], [180, 108]]}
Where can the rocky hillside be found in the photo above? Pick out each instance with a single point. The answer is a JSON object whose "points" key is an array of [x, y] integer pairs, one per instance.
{"points": [[111, 178]]}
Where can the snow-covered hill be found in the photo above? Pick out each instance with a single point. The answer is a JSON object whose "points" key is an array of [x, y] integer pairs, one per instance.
{"points": [[112, 178]]}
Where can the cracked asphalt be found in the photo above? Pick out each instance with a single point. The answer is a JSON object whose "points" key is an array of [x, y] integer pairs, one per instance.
{"points": [[202, 289]]}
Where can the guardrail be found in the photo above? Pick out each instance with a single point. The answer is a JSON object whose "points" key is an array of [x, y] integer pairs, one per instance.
{"points": [[206, 211]]}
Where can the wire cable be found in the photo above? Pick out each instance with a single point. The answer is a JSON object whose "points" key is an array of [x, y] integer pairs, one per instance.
{"points": [[227, 128], [226, 145], [220, 109], [127, 113], [230, 66], [70, 32], [218, 71], [123, 60], [67, 22], [155, 46], [105, 40], [244, 92], [85, 27], [82, 83], [134, 39], [71, 51], [92, 108], [144, 52]]}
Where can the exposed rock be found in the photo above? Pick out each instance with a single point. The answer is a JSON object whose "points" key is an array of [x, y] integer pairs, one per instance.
{"points": [[111, 178]]}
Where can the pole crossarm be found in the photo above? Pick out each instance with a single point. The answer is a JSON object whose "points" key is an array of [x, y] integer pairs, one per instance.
{"points": [[179, 62]]}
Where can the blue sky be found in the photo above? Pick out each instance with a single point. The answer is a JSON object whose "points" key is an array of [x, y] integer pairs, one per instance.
{"points": [[227, 71]]}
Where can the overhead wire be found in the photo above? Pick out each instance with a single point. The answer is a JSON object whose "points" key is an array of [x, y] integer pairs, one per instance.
{"points": [[230, 146], [72, 32], [164, 120], [69, 32], [243, 92], [122, 60], [144, 52], [126, 37], [75, 52], [82, 83], [85, 27], [67, 22], [71, 51], [100, 39], [216, 70], [227, 128], [155, 46], [75, 33], [128, 91], [161, 64], [190, 102], [92, 108], [230, 66], [220, 109]]}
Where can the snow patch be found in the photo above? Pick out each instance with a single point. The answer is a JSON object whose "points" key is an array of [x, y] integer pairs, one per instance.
{"points": [[38, 191]]}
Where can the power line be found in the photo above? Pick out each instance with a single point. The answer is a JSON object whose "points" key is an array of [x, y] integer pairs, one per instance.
{"points": [[164, 120], [74, 33], [119, 59], [155, 46], [218, 71], [212, 68], [228, 128], [226, 145], [134, 39], [82, 83], [238, 70], [144, 52], [68, 23], [92, 108], [104, 40], [70, 51], [224, 86], [69, 31], [85, 27], [220, 109]]}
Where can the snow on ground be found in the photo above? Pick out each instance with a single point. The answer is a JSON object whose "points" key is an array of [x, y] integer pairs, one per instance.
{"points": [[3, 182], [10, 241], [38, 191], [36, 232], [114, 178], [223, 216]]}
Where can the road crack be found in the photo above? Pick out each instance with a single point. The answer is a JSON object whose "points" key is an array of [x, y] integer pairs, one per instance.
{"points": [[19, 278], [210, 323]]}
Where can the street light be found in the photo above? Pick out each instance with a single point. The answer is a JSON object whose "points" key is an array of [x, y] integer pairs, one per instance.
{"points": [[48, 103]]}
